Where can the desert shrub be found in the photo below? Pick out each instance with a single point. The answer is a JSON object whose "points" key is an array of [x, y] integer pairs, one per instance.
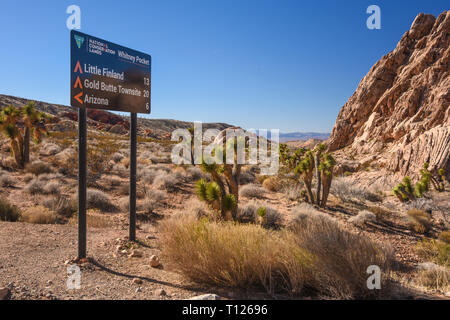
{"points": [[445, 236], [347, 191], [94, 219], [35, 186], [419, 221], [246, 177], [195, 173], [125, 162], [166, 181], [38, 168], [113, 181], [61, 205], [8, 163], [380, 213], [252, 191], [8, 212], [39, 215], [148, 175], [437, 278], [28, 177], [124, 204], [196, 210], [272, 184], [424, 204], [52, 187], [330, 263], [259, 212], [49, 149], [434, 250], [117, 157], [97, 199], [293, 192], [362, 218], [342, 257], [6, 180], [99, 152], [120, 170], [152, 200], [225, 254], [305, 209]]}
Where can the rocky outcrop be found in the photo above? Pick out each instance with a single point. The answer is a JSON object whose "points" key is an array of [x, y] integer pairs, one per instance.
{"points": [[401, 108]]}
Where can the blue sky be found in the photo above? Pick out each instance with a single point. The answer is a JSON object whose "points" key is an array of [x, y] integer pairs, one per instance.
{"points": [[289, 65]]}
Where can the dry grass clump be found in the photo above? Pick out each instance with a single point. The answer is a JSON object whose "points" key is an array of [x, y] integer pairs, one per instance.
{"points": [[380, 213], [97, 199], [49, 149], [42, 185], [120, 170], [39, 215], [293, 192], [434, 250], [8, 212], [28, 177], [317, 257], [347, 191], [38, 168], [167, 181], [52, 187], [272, 184], [152, 200], [35, 186], [259, 212], [112, 180], [124, 204], [252, 191], [342, 257], [61, 205], [246, 177], [444, 236], [433, 276], [194, 209], [94, 219], [6, 180], [117, 157], [434, 279], [195, 173], [419, 221], [305, 209], [362, 218]]}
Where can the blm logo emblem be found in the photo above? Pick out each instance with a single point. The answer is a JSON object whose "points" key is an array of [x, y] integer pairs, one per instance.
{"points": [[79, 40]]}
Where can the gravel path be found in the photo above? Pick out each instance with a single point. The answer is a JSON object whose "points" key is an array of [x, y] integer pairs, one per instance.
{"points": [[34, 261]]}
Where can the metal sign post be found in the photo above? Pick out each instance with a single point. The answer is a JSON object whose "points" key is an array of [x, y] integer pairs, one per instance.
{"points": [[133, 164], [82, 175], [107, 76]]}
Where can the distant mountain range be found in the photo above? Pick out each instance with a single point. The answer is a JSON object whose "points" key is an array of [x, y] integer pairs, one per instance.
{"points": [[293, 136]]}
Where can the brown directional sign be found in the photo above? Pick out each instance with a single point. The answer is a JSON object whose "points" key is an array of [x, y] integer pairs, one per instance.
{"points": [[107, 76]]}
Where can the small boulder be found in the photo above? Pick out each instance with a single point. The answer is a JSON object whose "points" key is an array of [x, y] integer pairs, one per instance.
{"points": [[137, 281], [4, 294], [154, 261], [136, 254], [160, 292]]}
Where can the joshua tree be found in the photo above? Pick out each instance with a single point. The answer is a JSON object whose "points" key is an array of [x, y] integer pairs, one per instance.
{"points": [[34, 126], [223, 192], [20, 125], [320, 164], [404, 191]]}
